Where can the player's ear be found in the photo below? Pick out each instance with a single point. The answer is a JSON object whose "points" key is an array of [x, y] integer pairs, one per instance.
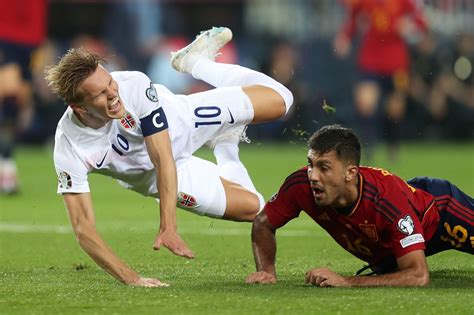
{"points": [[351, 172], [78, 108]]}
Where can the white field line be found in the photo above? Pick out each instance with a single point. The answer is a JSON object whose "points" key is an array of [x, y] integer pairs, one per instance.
{"points": [[65, 229]]}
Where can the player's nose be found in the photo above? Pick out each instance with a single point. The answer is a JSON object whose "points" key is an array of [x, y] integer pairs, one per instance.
{"points": [[313, 175], [111, 92]]}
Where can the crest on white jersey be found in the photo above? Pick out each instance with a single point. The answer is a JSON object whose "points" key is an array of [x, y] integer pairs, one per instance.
{"points": [[64, 180], [152, 94], [406, 225], [127, 121], [186, 201]]}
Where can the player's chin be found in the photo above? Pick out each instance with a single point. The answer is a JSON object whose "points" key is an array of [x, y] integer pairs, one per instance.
{"points": [[117, 114], [320, 199]]}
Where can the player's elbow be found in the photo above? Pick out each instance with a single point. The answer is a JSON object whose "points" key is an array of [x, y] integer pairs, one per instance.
{"points": [[421, 278], [259, 221]]}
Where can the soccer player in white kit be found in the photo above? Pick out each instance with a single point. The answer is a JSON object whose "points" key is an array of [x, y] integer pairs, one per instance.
{"points": [[121, 125]]}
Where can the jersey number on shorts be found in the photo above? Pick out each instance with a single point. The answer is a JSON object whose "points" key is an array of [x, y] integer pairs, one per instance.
{"points": [[457, 236], [206, 115], [122, 143]]}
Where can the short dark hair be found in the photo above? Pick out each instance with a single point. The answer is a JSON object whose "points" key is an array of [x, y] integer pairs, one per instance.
{"points": [[340, 139]]}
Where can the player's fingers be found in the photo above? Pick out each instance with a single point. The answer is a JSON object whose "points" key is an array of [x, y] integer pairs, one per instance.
{"points": [[160, 284], [260, 279], [311, 278], [270, 279], [157, 244], [153, 283], [156, 285], [250, 279], [183, 250], [188, 253], [317, 280]]}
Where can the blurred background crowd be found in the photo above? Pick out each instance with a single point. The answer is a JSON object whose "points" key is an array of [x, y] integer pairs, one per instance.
{"points": [[392, 69]]}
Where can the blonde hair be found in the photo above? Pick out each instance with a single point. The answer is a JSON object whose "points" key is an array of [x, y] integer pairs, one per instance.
{"points": [[73, 68]]}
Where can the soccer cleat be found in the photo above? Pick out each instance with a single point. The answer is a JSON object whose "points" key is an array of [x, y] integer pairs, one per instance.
{"points": [[234, 135], [206, 45]]}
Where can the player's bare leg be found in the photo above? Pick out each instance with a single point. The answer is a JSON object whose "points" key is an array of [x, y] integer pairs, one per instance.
{"points": [[270, 99], [241, 204], [243, 199]]}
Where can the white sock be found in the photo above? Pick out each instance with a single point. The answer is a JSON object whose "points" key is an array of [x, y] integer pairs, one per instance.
{"points": [[230, 166], [222, 74]]}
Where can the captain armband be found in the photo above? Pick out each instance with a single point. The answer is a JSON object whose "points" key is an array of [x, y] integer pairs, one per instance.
{"points": [[154, 122]]}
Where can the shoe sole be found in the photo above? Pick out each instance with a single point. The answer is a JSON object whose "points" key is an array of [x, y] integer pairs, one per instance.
{"points": [[199, 44]]}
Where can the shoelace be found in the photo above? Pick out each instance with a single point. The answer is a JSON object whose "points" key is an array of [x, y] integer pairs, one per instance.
{"points": [[243, 136]]}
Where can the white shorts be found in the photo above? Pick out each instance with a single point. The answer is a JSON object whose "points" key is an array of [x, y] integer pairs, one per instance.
{"points": [[200, 188], [213, 112], [216, 111]]}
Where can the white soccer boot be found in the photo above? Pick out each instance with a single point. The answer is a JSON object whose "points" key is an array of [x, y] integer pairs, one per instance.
{"points": [[234, 135], [206, 45]]}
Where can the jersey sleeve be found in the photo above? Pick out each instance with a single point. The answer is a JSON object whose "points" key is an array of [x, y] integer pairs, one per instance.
{"points": [[398, 215], [71, 171], [282, 207], [149, 107]]}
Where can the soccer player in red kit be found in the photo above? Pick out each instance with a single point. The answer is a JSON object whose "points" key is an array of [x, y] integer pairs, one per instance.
{"points": [[375, 215], [383, 63]]}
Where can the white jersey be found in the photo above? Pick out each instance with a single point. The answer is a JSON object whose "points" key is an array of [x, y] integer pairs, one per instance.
{"points": [[118, 149]]}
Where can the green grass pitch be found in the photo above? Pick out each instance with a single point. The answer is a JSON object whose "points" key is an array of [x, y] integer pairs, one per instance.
{"points": [[43, 270]]}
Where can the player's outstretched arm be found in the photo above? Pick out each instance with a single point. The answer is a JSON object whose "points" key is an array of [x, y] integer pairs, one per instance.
{"points": [[413, 272], [264, 249], [160, 152], [81, 215]]}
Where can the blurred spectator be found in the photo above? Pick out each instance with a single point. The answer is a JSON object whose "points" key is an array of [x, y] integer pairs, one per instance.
{"points": [[22, 29], [282, 64], [133, 28], [159, 69], [383, 62], [442, 83], [455, 89]]}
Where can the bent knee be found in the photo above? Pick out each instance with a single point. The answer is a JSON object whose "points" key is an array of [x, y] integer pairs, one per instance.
{"points": [[268, 103], [242, 207]]}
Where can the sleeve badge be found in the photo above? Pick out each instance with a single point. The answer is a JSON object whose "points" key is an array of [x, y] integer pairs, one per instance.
{"points": [[64, 180], [151, 93], [406, 225]]}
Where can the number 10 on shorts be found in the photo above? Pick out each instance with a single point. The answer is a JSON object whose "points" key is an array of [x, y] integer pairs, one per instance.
{"points": [[207, 115]]}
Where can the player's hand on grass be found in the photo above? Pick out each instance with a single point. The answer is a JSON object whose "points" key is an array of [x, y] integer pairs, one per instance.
{"points": [[324, 277], [171, 240], [148, 283], [261, 277]]}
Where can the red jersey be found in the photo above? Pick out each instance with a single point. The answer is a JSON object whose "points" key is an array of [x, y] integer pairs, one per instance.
{"points": [[390, 218], [23, 21], [382, 50]]}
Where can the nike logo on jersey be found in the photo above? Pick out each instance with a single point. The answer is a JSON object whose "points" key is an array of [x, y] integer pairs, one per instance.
{"points": [[99, 164], [231, 117]]}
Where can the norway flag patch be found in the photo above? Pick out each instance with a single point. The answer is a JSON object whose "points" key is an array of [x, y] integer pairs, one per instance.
{"points": [[127, 121], [186, 201]]}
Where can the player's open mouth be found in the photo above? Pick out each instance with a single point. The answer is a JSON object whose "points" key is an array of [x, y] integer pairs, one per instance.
{"points": [[317, 192], [114, 107]]}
